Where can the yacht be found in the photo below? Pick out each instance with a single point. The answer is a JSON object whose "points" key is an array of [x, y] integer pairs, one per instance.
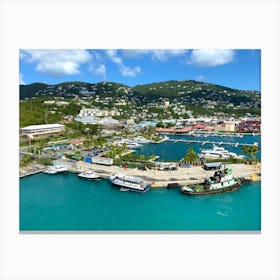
{"points": [[56, 169], [141, 140], [219, 152], [128, 143], [130, 182], [133, 145], [89, 175]]}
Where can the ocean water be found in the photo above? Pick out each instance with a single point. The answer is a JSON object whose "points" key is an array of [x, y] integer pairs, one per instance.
{"points": [[176, 151], [65, 202]]}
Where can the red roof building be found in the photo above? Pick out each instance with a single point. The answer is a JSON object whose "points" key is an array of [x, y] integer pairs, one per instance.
{"points": [[199, 126]]}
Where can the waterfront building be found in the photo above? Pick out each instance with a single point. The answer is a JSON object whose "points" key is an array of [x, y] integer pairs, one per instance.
{"points": [[225, 127], [42, 130], [249, 126]]}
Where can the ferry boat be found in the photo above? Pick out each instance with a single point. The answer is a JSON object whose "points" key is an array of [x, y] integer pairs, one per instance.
{"points": [[222, 181], [56, 169], [219, 152], [89, 175], [130, 182]]}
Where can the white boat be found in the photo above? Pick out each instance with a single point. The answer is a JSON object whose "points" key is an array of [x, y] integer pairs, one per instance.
{"points": [[133, 145], [141, 140], [219, 152], [130, 182], [56, 169], [89, 175], [128, 143]]}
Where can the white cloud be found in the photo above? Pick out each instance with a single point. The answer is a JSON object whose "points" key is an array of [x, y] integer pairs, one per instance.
{"points": [[125, 70], [210, 58], [21, 81], [200, 78], [161, 55], [129, 72], [165, 55], [56, 62], [100, 71]]}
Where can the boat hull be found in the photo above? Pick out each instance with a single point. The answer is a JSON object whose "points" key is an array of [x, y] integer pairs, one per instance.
{"points": [[124, 186], [209, 192], [90, 178], [56, 172]]}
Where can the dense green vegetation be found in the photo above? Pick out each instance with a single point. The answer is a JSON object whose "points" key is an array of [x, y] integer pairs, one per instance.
{"points": [[33, 112], [132, 160], [25, 160], [250, 152], [191, 156]]}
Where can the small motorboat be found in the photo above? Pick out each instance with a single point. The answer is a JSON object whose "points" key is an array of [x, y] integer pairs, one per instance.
{"points": [[89, 175]]}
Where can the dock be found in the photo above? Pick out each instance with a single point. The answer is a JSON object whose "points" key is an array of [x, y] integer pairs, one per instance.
{"points": [[203, 142], [164, 179]]}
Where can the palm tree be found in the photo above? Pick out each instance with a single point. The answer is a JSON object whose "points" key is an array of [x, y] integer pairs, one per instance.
{"points": [[191, 156], [250, 150]]}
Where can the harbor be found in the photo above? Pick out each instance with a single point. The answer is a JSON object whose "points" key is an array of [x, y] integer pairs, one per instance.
{"points": [[87, 187], [211, 142], [167, 149], [67, 202]]}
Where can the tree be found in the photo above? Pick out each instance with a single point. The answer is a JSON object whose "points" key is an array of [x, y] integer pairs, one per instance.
{"points": [[26, 159], [160, 124], [87, 143], [250, 150], [191, 156]]}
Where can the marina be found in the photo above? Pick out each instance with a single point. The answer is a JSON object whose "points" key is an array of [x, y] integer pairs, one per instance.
{"points": [[211, 142], [179, 144], [69, 202]]}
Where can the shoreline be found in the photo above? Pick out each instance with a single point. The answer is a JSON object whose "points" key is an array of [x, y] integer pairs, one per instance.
{"points": [[157, 178]]}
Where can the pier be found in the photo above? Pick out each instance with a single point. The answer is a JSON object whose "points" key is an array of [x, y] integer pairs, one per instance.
{"points": [[203, 142], [171, 178], [32, 172]]}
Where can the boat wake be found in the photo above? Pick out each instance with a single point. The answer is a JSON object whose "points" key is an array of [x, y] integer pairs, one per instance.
{"points": [[223, 214]]}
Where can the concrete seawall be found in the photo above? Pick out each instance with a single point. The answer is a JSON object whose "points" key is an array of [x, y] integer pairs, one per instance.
{"points": [[182, 176]]}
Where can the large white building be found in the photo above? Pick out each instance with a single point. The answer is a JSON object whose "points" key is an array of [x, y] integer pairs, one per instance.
{"points": [[96, 113], [41, 130]]}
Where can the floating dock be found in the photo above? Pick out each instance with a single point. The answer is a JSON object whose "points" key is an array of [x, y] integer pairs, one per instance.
{"points": [[211, 142]]}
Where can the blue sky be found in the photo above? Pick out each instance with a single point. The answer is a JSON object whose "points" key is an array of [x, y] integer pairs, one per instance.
{"points": [[240, 69]]}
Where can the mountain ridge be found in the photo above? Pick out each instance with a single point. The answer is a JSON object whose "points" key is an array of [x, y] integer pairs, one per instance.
{"points": [[186, 91]]}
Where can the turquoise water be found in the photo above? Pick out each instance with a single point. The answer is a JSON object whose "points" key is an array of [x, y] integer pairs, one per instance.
{"points": [[176, 151], [67, 202]]}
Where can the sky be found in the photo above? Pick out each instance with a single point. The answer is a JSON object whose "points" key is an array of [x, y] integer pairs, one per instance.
{"points": [[238, 69]]}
